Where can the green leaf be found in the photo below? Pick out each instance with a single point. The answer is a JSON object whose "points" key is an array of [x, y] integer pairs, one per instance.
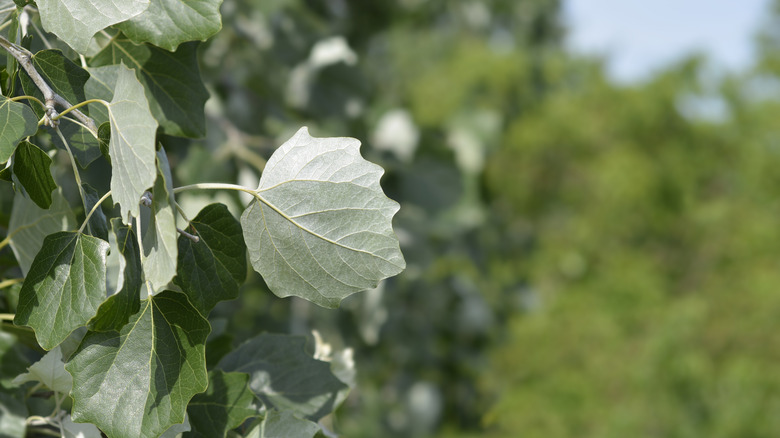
{"points": [[30, 225], [168, 23], [65, 77], [224, 406], [212, 269], [13, 416], [97, 225], [137, 382], [160, 248], [31, 168], [125, 289], [285, 424], [65, 286], [79, 430], [133, 131], [320, 228], [76, 21], [172, 82], [284, 376], [17, 122], [49, 370]]}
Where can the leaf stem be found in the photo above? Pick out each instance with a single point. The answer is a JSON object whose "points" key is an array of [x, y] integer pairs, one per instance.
{"points": [[33, 98], [24, 57], [10, 282], [7, 317], [79, 105], [75, 167], [91, 211], [216, 186]]}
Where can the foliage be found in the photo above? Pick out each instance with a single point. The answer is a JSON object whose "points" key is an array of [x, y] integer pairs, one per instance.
{"points": [[112, 317]]}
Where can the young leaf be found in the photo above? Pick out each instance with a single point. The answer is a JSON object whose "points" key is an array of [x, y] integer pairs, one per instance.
{"points": [[76, 21], [160, 237], [19, 122], [65, 286], [49, 370], [31, 168], [137, 382], [285, 424], [115, 311], [168, 23], [131, 146], [284, 376], [320, 228], [30, 225], [171, 79], [212, 269], [224, 406]]}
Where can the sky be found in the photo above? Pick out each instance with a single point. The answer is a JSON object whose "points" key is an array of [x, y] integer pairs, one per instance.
{"points": [[641, 36]]}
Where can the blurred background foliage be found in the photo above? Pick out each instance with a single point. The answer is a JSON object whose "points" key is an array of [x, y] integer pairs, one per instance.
{"points": [[584, 259]]}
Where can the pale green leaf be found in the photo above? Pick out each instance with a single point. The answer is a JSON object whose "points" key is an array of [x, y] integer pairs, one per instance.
{"points": [[65, 286], [17, 121], [76, 21], [49, 370], [160, 247], [284, 376], [172, 81], [137, 382], [79, 430], [123, 280], [320, 228], [31, 224], [212, 269], [168, 23], [285, 424], [131, 147], [31, 168], [177, 430], [225, 405]]}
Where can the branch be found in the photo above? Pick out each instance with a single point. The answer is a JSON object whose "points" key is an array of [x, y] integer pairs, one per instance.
{"points": [[24, 57]]}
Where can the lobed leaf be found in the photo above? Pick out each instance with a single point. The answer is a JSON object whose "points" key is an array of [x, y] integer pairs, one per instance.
{"points": [[49, 370], [137, 382], [284, 424], [65, 286], [76, 21], [131, 147], [159, 240], [284, 376], [212, 269], [17, 121], [224, 406], [171, 79], [31, 168], [320, 226], [168, 23]]}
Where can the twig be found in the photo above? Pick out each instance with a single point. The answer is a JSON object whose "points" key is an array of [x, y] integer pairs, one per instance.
{"points": [[24, 57]]}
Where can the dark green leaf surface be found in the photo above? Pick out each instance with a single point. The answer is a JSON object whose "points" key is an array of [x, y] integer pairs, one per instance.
{"points": [[65, 286], [76, 21], [31, 224], [171, 80], [137, 382], [115, 311], [133, 131], [65, 77], [31, 168], [168, 23], [284, 376], [212, 269], [17, 121], [321, 226], [285, 424], [226, 404], [97, 225], [159, 241]]}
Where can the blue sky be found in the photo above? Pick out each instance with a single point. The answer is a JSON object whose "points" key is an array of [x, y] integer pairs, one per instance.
{"points": [[640, 36]]}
